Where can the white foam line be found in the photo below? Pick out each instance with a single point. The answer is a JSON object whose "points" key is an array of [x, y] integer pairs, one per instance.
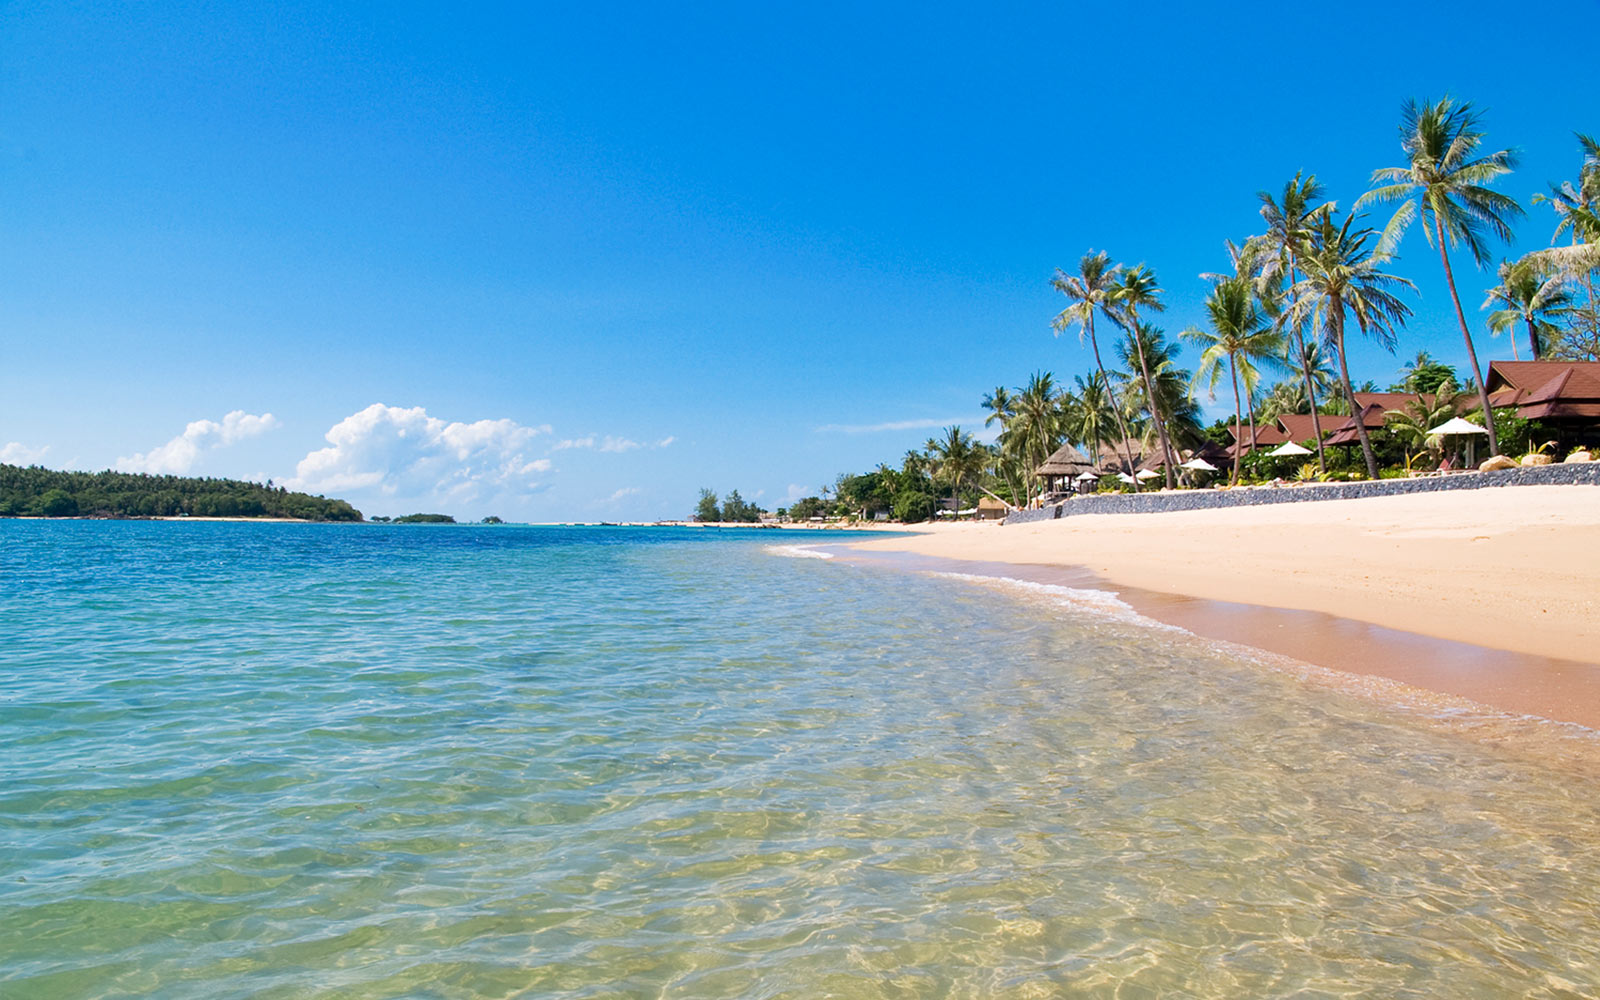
{"points": [[797, 552], [1102, 603]]}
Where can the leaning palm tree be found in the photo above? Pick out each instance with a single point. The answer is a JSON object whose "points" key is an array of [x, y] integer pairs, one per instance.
{"points": [[1136, 289], [1343, 276], [1090, 290], [1241, 336], [1444, 184], [1288, 228], [1529, 295], [1172, 399]]}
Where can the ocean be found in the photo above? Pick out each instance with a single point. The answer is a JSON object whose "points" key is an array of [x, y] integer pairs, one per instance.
{"points": [[363, 761]]}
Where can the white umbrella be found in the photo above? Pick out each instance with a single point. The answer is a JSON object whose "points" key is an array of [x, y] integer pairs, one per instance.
{"points": [[1198, 465], [1147, 474], [1456, 426], [1126, 478], [1288, 448], [1084, 477]]}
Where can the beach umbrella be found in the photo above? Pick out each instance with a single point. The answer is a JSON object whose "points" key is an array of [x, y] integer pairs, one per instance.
{"points": [[1198, 465], [1286, 449], [1126, 478], [1084, 477], [1148, 474], [1456, 426]]}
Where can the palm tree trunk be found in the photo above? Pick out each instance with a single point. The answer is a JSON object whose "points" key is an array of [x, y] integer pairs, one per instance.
{"points": [[1305, 370], [1533, 339], [1238, 418], [1472, 354], [1150, 398], [1122, 425], [1336, 311]]}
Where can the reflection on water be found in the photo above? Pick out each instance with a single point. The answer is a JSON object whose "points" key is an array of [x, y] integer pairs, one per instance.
{"points": [[289, 761]]}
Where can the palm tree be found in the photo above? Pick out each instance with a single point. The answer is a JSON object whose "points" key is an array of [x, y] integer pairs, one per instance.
{"points": [[1001, 406], [1090, 290], [1288, 230], [1421, 415], [1527, 295], [1444, 183], [957, 459], [1172, 400], [1242, 337], [1088, 414], [1578, 215], [1036, 427], [1136, 289], [1342, 275]]}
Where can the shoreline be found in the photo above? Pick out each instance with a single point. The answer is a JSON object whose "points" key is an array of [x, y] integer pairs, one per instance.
{"points": [[1479, 595]]}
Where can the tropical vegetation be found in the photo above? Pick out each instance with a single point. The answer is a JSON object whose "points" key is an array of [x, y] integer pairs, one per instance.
{"points": [[39, 492], [1279, 322]]}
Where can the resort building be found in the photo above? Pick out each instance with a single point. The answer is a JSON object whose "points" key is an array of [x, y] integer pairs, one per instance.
{"points": [[1562, 394]]}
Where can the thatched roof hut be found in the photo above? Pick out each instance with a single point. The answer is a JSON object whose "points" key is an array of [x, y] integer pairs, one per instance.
{"points": [[1066, 463]]}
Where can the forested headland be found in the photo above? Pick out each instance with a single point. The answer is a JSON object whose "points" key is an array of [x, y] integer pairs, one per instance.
{"points": [[40, 492]]}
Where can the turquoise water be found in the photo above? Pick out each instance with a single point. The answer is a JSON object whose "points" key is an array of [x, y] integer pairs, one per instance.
{"points": [[277, 761]]}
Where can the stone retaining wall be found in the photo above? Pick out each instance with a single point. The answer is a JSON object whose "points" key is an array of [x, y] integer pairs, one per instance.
{"points": [[1587, 473]]}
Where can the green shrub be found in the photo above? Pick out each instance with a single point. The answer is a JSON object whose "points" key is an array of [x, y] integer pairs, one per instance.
{"points": [[912, 508]]}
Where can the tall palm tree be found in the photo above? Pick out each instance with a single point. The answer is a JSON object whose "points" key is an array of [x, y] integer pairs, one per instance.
{"points": [[1090, 290], [1288, 228], [1443, 182], [1528, 295], [1088, 415], [1343, 275], [1241, 336], [957, 459], [1136, 289], [1036, 426], [1578, 215], [1001, 405], [1172, 400]]}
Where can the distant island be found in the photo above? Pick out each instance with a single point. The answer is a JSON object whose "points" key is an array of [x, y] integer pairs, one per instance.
{"points": [[416, 519], [39, 492]]}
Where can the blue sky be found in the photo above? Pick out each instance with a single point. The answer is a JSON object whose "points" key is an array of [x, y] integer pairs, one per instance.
{"points": [[575, 262]]}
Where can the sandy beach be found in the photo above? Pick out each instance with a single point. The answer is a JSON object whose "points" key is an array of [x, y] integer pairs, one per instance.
{"points": [[1514, 569]]}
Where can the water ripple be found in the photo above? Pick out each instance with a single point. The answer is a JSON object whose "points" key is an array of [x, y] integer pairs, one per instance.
{"points": [[360, 761]]}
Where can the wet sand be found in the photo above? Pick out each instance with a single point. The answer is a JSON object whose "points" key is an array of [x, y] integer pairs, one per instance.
{"points": [[1488, 595]]}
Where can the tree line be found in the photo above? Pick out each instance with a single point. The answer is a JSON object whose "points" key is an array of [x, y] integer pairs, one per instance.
{"points": [[39, 492], [1290, 297]]}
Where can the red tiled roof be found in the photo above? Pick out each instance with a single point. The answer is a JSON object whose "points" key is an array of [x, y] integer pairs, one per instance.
{"points": [[1300, 427], [1526, 375], [1546, 389], [1266, 434]]}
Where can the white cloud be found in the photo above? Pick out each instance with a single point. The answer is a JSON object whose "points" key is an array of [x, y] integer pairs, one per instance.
{"points": [[178, 456], [17, 453], [405, 452], [626, 491], [897, 425], [797, 492], [609, 443]]}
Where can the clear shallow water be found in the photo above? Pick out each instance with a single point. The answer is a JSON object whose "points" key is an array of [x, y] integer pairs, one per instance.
{"points": [[359, 761]]}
